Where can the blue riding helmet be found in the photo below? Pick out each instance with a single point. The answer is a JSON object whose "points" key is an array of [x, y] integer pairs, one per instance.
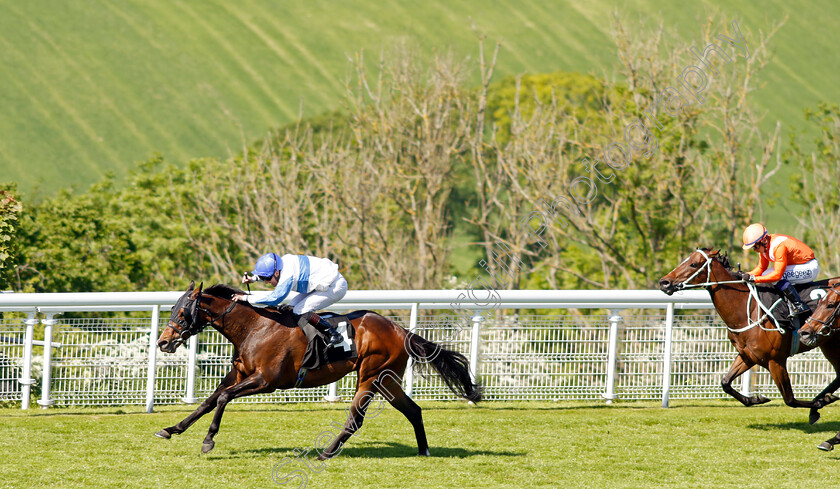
{"points": [[267, 265]]}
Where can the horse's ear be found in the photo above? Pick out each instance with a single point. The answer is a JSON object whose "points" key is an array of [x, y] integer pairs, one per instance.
{"points": [[197, 292], [192, 286]]}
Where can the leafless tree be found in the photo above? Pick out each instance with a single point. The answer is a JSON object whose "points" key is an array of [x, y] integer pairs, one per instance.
{"points": [[817, 187]]}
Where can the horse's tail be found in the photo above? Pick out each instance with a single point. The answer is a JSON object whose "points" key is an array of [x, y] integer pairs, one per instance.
{"points": [[451, 365]]}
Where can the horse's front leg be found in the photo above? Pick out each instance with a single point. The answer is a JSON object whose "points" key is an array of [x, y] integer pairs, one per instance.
{"points": [[739, 366], [254, 384], [823, 399], [828, 445], [778, 370], [827, 396], [203, 409]]}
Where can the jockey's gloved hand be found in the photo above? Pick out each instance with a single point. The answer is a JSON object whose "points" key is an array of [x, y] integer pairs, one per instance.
{"points": [[741, 275]]}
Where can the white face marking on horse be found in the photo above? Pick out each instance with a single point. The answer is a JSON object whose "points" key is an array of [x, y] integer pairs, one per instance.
{"points": [[681, 264]]}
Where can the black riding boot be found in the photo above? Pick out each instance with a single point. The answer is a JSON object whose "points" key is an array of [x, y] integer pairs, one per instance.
{"points": [[333, 338], [797, 306]]}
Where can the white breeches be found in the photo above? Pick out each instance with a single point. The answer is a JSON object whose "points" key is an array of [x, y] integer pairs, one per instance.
{"points": [[799, 274], [318, 300]]}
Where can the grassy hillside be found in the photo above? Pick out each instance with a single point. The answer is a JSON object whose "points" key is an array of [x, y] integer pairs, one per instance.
{"points": [[91, 87]]}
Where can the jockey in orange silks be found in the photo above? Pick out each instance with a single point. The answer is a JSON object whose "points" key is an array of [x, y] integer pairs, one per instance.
{"points": [[793, 263]]}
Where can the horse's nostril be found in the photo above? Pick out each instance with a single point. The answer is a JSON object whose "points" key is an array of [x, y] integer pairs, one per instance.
{"points": [[162, 343], [664, 282]]}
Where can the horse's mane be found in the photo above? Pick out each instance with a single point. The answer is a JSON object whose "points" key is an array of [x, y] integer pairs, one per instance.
{"points": [[225, 291], [222, 291], [720, 257]]}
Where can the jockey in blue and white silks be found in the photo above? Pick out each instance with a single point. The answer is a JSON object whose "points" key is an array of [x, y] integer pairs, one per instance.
{"points": [[317, 281]]}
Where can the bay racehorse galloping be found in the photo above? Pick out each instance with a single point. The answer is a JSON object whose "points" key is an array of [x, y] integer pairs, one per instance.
{"points": [[756, 338], [823, 323], [269, 350], [820, 328]]}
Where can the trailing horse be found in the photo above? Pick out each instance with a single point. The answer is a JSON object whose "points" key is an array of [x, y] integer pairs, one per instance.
{"points": [[821, 327], [269, 351]]}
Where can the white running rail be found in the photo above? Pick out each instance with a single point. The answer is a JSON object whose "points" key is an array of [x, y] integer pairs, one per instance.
{"points": [[619, 344]]}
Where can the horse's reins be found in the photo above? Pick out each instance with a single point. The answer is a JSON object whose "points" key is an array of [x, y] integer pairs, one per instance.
{"points": [[751, 287], [708, 267], [220, 316]]}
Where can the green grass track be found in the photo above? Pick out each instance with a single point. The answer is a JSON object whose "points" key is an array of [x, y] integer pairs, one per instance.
{"points": [[634, 445]]}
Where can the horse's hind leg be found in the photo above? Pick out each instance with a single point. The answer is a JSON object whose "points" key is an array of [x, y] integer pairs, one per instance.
{"points": [[391, 389], [355, 418], [739, 366], [203, 409]]}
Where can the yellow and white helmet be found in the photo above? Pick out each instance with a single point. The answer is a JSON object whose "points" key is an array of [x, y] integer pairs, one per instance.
{"points": [[753, 234]]}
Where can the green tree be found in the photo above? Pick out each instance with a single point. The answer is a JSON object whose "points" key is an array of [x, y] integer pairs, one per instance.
{"points": [[10, 210], [692, 181], [112, 238]]}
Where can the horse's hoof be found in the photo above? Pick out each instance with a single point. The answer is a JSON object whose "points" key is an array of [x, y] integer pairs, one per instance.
{"points": [[826, 446], [758, 399], [207, 446], [425, 453], [814, 416], [829, 398], [163, 434], [325, 455]]}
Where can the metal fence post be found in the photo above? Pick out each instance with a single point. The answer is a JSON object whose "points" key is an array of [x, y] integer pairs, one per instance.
{"points": [[474, 345], [409, 369], [666, 361], [746, 383], [46, 377], [189, 398], [332, 393], [612, 358], [26, 376], [150, 377]]}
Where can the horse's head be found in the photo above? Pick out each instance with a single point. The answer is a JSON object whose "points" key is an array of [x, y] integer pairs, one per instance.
{"points": [[823, 322], [183, 322], [695, 269]]}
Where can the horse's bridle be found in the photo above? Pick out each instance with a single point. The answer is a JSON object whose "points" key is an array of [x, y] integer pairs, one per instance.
{"points": [[707, 266], [189, 326], [826, 329]]}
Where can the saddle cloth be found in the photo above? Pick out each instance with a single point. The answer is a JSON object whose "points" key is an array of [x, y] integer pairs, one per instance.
{"points": [[809, 292], [317, 354]]}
